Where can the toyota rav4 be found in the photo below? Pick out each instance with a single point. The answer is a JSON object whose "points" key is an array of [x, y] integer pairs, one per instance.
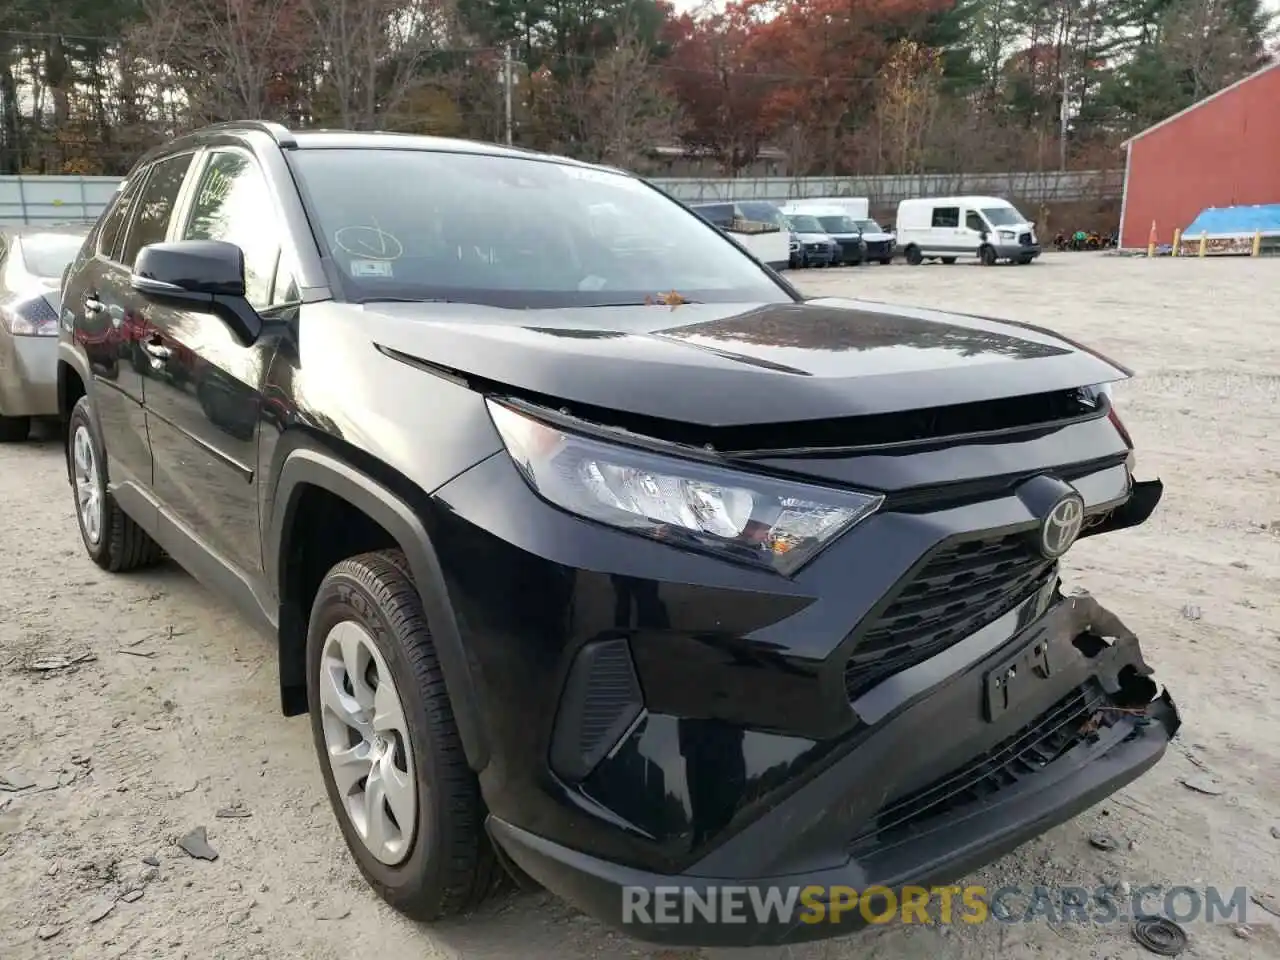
{"points": [[594, 551]]}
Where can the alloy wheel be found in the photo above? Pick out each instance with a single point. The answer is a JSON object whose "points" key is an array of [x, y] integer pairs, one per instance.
{"points": [[367, 742], [87, 483]]}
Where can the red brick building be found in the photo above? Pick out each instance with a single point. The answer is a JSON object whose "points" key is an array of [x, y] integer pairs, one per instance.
{"points": [[1223, 151]]}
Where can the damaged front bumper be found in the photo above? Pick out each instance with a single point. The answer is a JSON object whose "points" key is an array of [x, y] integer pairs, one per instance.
{"points": [[1003, 744]]}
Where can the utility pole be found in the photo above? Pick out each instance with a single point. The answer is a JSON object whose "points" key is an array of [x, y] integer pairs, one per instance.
{"points": [[1062, 124], [508, 80]]}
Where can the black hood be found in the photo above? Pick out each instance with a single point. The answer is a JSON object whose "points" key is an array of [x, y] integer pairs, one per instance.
{"points": [[740, 364]]}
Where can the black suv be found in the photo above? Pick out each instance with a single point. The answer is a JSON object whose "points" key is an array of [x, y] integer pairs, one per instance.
{"points": [[610, 559]]}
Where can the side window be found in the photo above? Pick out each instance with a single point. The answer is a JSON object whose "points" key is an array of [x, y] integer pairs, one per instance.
{"points": [[113, 223], [974, 222], [233, 204], [946, 216], [156, 200]]}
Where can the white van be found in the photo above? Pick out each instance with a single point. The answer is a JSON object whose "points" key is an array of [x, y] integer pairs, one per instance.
{"points": [[947, 228]]}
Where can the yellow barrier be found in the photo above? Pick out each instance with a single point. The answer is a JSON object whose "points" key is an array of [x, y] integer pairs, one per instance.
{"points": [[1151, 241], [1177, 241], [1257, 244], [1204, 242]]}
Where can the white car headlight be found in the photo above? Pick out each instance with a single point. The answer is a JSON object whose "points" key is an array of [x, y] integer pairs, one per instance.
{"points": [[1007, 234], [744, 517]]}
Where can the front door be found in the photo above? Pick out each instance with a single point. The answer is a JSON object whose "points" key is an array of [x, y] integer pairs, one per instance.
{"points": [[204, 393], [975, 229]]}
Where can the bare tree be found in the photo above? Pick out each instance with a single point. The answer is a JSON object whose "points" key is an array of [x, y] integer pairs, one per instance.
{"points": [[909, 99], [373, 54], [1203, 38], [225, 55], [620, 110]]}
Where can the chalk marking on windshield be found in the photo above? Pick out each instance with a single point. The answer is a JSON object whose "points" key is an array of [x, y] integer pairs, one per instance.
{"points": [[374, 244]]}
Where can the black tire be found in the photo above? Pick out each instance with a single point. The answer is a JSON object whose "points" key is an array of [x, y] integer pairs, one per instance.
{"points": [[451, 866], [14, 429], [122, 545], [914, 256], [1025, 260], [948, 260], [988, 256], [886, 260]]}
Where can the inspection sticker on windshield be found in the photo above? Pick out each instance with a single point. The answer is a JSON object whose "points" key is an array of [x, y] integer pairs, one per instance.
{"points": [[371, 268]]}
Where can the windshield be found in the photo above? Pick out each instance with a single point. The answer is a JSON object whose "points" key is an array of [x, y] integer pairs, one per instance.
{"points": [[837, 225], [1003, 216], [763, 213], [803, 224], [514, 232], [869, 226], [46, 255]]}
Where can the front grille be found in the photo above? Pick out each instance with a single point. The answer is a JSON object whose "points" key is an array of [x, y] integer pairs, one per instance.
{"points": [[963, 587], [1024, 239], [1063, 726]]}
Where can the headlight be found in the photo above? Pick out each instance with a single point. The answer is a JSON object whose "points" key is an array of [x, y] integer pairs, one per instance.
{"points": [[744, 517], [1007, 234]]}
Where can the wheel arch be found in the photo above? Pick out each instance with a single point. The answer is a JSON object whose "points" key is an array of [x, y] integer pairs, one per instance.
{"points": [[73, 379], [305, 469]]}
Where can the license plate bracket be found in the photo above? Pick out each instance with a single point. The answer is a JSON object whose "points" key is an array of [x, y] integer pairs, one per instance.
{"points": [[1010, 681]]}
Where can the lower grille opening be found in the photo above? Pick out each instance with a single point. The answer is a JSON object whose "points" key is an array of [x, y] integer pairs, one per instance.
{"points": [[1063, 726], [961, 589]]}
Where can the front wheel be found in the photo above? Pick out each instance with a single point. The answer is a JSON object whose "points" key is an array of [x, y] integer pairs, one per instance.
{"points": [[914, 256], [111, 537], [408, 805], [988, 256], [886, 261]]}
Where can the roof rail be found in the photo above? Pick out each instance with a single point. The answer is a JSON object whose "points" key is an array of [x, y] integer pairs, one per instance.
{"points": [[278, 132]]}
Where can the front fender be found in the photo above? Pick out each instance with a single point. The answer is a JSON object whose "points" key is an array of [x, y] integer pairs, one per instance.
{"points": [[317, 468]]}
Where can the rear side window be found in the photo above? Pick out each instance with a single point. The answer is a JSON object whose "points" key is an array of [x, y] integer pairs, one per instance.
{"points": [[946, 216], [113, 224], [155, 206]]}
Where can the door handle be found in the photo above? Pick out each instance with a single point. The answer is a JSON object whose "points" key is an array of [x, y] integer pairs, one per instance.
{"points": [[157, 350], [93, 305]]}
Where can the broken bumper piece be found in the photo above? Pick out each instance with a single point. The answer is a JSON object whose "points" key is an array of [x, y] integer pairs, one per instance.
{"points": [[1082, 719]]}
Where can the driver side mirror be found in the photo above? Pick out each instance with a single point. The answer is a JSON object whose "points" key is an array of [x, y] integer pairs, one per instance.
{"points": [[201, 273]]}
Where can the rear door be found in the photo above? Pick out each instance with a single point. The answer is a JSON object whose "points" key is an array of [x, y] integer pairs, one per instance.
{"points": [[108, 315], [204, 398]]}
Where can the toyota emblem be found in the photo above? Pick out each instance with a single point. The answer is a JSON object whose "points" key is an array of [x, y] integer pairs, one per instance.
{"points": [[1059, 530]]}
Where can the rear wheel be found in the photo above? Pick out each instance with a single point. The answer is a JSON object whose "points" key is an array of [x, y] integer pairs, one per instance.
{"points": [[914, 256], [988, 256], [111, 537], [14, 429], [408, 805]]}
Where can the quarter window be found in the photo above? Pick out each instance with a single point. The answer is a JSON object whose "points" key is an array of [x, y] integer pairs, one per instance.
{"points": [[155, 206], [946, 216], [233, 204]]}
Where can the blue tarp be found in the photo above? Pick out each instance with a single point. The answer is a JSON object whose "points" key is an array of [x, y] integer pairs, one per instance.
{"points": [[1234, 221]]}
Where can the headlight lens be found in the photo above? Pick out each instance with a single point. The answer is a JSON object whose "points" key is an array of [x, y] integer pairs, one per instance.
{"points": [[744, 517], [1007, 234]]}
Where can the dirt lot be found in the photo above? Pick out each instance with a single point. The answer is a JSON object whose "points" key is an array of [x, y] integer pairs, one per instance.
{"points": [[169, 713]]}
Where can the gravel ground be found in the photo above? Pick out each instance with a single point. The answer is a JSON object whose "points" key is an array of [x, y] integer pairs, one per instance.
{"points": [[168, 713]]}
